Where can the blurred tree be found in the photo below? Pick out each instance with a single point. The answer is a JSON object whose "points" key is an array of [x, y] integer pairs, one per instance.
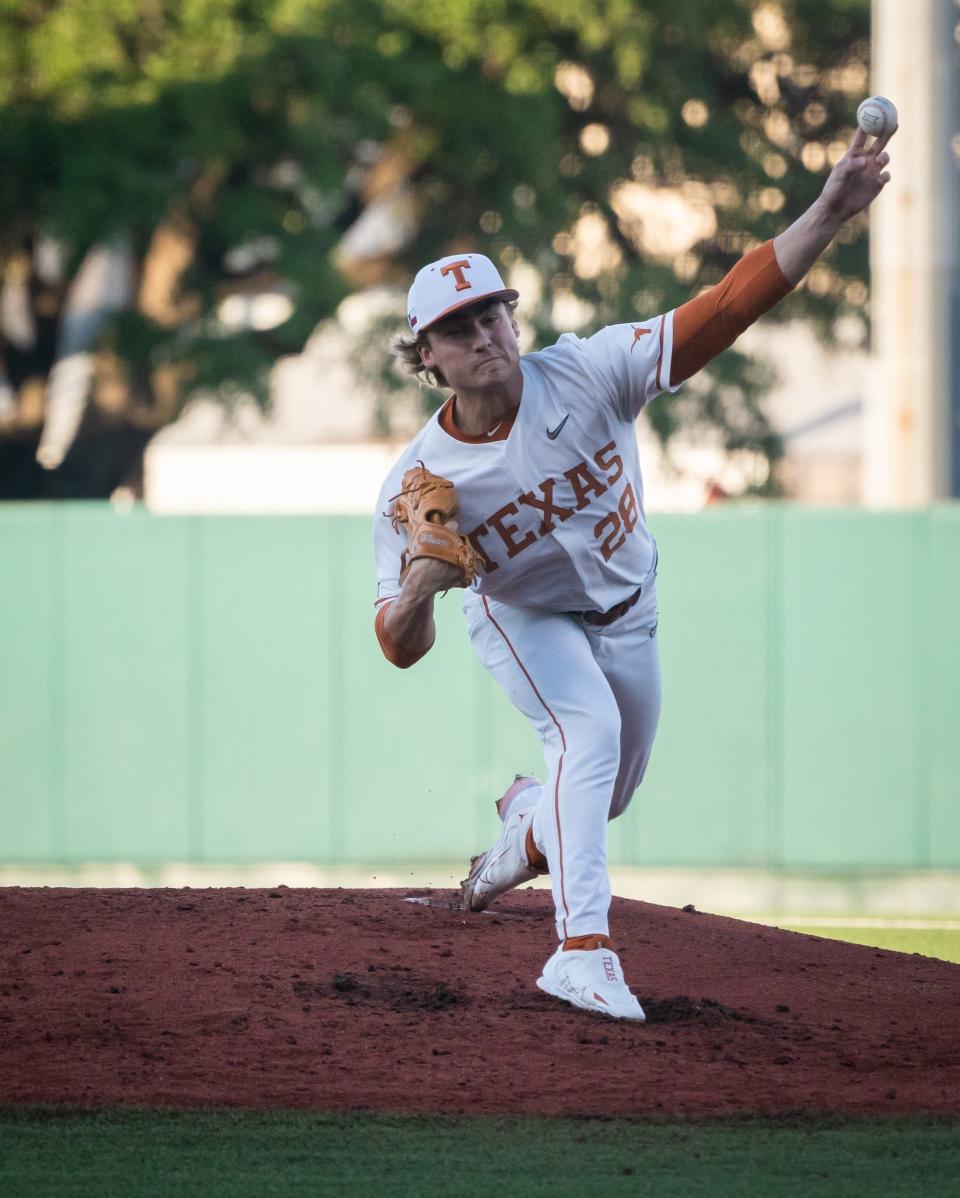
{"points": [[189, 187]]}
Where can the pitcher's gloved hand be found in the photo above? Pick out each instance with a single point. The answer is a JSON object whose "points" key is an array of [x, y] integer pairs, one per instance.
{"points": [[425, 505]]}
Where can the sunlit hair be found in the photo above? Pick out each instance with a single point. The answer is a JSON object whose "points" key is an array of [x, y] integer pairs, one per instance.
{"points": [[406, 347]]}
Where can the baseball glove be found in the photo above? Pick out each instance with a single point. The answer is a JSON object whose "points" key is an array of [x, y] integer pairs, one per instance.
{"points": [[425, 504]]}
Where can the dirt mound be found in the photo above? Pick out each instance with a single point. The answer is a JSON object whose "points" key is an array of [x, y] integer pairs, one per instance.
{"points": [[384, 1000]]}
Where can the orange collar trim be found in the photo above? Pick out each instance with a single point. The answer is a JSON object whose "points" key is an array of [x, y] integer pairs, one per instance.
{"points": [[499, 432]]}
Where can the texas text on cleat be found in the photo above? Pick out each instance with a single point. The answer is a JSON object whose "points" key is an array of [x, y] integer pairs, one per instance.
{"points": [[591, 979], [513, 859]]}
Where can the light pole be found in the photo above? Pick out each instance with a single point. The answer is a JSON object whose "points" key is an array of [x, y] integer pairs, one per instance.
{"points": [[912, 416]]}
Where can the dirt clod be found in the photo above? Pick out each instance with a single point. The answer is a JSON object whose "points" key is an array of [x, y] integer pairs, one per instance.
{"points": [[683, 1009]]}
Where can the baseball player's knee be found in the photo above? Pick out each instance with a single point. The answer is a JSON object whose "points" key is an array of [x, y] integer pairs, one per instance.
{"points": [[618, 805], [598, 737], [622, 795], [633, 766]]}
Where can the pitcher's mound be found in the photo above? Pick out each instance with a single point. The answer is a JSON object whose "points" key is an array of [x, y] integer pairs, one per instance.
{"points": [[364, 999]]}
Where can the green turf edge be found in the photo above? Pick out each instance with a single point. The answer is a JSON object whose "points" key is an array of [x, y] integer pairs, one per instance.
{"points": [[941, 943], [236, 1153]]}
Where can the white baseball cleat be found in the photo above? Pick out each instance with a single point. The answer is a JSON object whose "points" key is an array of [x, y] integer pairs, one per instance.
{"points": [[591, 979], [505, 865]]}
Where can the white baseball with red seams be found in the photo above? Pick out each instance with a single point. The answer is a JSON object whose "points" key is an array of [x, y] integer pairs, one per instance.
{"points": [[877, 116], [556, 511]]}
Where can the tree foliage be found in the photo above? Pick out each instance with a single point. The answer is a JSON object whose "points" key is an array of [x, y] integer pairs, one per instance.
{"points": [[625, 151]]}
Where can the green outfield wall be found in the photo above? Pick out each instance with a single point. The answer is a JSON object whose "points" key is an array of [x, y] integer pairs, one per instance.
{"points": [[209, 689]]}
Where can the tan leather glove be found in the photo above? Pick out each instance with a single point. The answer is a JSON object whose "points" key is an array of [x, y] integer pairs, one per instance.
{"points": [[425, 505]]}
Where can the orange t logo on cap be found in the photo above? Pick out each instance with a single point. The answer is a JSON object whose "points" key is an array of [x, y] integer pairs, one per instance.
{"points": [[456, 269]]}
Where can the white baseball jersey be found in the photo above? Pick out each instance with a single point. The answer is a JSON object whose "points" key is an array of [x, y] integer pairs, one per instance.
{"points": [[555, 509]]}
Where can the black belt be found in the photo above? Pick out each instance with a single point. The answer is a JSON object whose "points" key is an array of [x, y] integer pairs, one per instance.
{"points": [[600, 619]]}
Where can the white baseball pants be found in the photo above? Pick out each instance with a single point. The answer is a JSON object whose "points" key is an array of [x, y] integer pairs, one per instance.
{"points": [[593, 696]]}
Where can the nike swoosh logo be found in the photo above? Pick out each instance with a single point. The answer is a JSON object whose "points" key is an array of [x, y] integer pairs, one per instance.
{"points": [[553, 433]]}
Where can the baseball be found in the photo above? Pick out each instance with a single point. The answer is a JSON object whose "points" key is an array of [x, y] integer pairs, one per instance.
{"points": [[877, 116]]}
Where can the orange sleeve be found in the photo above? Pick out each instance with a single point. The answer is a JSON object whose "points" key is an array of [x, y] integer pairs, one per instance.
{"points": [[397, 656], [709, 324]]}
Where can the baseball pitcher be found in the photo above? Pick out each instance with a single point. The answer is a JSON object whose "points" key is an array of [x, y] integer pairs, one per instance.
{"points": [[525, 490]]}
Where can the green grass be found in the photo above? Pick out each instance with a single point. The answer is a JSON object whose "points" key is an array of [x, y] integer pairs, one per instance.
{"points": [[230, 1154], [929, 941]]}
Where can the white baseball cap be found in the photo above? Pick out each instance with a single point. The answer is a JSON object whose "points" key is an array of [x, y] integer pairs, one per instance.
{"points": [[451, 283]]}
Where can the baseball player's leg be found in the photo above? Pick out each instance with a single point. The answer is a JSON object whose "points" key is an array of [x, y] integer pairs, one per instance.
{"points": [[514, 857], [627, 653], [545, 665]]}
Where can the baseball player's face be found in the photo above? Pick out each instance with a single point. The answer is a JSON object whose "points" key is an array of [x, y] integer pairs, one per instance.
{"points": [[474, 349]]}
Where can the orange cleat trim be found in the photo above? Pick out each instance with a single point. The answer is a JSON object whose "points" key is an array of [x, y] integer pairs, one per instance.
{"points": [[587, 943], [535, 859]]}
